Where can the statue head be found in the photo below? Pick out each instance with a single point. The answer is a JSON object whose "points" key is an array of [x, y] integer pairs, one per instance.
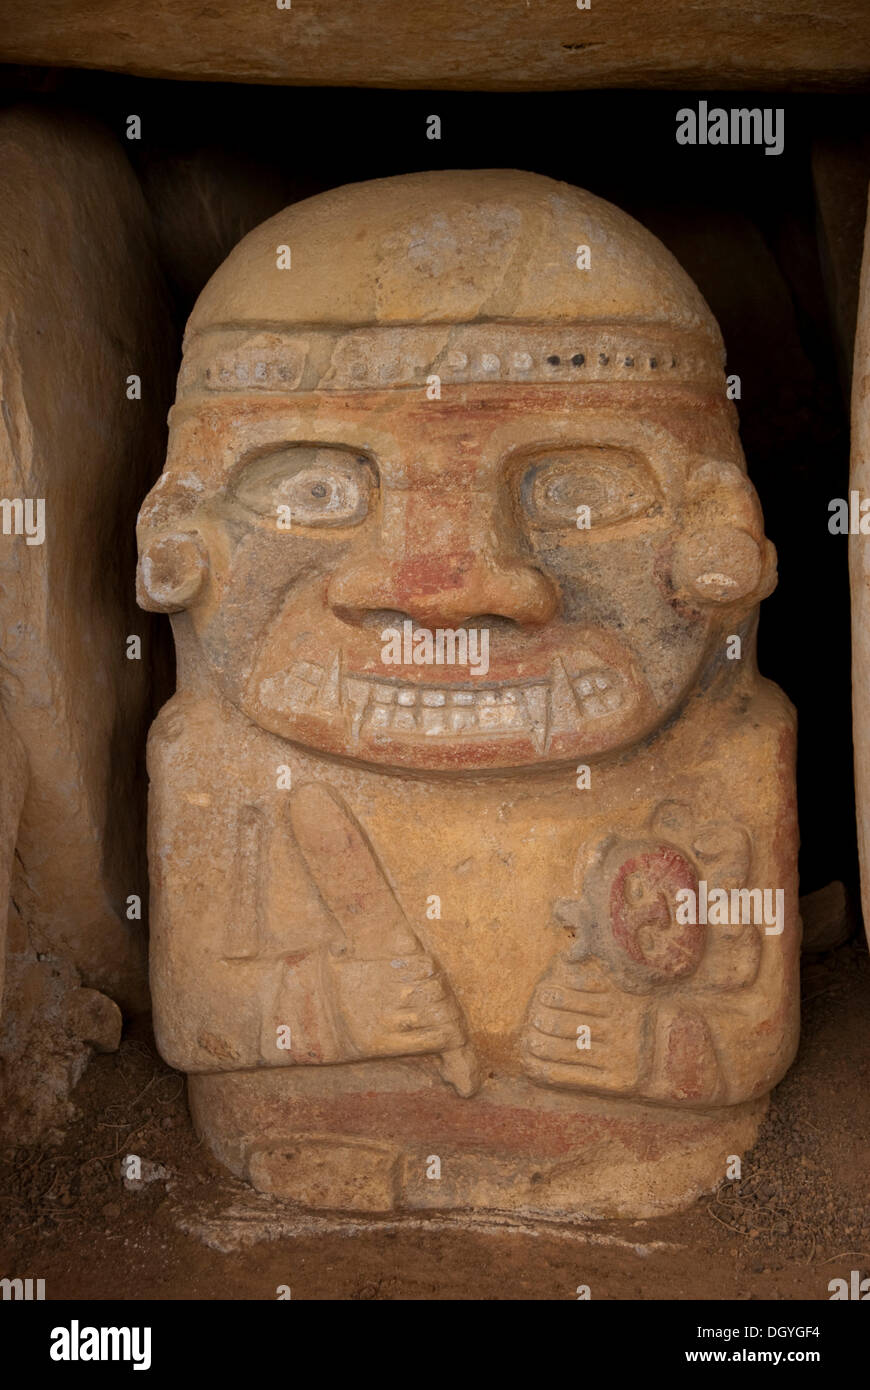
{"points": [[483, 406]]}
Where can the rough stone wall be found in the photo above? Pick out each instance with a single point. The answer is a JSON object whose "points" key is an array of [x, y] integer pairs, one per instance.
{"points": [[83, 310], [450, 44]]}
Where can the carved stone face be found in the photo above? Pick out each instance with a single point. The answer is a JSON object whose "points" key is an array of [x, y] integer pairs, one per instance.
{"points": [[573, 502]]}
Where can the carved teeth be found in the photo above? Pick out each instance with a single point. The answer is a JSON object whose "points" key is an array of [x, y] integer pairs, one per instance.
{"points": [[611, 700], [535, 701], [598, 693], [462, 721], [356, 694], [380, 717], [443, 712], [329, 698], [564, 713], [434, 722], [404, 720], [561, 705]]}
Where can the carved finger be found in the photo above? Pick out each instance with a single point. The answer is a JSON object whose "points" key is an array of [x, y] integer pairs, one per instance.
{"points": [[410, 969], [585, 1078], [426, 992], [422, 1040], [433, 1015], [561, 1049], [587, 975], [560, 1024], [575, 1001]]}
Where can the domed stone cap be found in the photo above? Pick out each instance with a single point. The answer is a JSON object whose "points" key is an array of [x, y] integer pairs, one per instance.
{"points": [[454, 247]]}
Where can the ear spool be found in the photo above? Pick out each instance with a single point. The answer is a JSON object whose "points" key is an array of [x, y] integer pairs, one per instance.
{"points": [[718, 565], [722, 557], [171, 571]]}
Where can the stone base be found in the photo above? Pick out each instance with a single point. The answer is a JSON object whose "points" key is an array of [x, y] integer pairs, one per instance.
{"points": [[368, 1143]]}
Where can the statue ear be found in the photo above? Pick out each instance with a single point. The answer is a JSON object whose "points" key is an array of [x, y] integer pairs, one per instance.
{"points": [[171, 571], [722, 556], [720, 565]]}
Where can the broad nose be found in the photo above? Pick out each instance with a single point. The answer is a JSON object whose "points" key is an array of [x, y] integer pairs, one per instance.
{"points": [[458, 563]]}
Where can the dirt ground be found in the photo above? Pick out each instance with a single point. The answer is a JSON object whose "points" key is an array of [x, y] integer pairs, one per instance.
{"points": [[799, 1217]]}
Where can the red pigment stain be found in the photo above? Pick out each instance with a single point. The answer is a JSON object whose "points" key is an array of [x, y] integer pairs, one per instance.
{"points": [[429, 574], [405, 1119], [686, 1060], [663, 872]]}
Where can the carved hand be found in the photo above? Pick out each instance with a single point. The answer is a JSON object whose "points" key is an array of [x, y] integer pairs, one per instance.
{"points": [[394, 1007], [578, 994], [391, 998]]}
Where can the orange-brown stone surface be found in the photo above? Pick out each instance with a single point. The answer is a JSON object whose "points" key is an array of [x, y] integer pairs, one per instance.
{"points": [[83, 310], [552, 44], [472, 826]]}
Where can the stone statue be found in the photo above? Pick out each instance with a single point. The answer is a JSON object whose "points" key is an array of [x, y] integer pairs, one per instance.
{"points": [[472, 824]]}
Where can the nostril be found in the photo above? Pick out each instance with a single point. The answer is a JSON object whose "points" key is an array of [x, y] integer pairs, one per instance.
{"points": [[379, 618], [376, 620], [360, 615], [495, 622], [379, 593]]}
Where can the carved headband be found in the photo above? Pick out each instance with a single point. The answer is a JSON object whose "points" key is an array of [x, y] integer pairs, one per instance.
{"points": [[322, 359]]}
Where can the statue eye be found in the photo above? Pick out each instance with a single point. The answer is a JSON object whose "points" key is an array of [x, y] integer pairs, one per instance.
{"points": [[320, 486], [614, 486]]}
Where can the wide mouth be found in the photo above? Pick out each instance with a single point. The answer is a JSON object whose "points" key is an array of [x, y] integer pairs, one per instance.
{"points": [[374, 707]]}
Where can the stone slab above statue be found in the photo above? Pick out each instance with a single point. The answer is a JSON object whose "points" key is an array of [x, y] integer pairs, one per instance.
{"points": [[472, 822]]}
